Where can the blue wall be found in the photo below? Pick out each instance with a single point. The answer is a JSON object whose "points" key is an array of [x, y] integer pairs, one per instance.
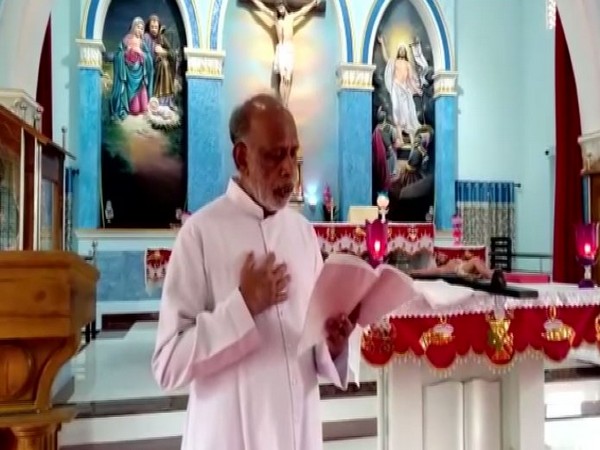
{"points": [[313, 99], [506, 106], [505, 103]]}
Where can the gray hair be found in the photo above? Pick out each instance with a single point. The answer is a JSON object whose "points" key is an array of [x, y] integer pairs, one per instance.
{"points": [[241, 117]]}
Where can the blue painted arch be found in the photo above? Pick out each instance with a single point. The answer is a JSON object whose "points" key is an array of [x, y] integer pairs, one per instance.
{"points": [[435, 25], [95, 14], [219, 7]]}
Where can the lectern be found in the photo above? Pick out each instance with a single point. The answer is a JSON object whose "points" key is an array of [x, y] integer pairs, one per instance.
{"points": [[45, 300], [46, 295]]}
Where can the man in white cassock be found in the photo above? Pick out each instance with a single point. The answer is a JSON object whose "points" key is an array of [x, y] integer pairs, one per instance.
{"points": [[235, 299]]}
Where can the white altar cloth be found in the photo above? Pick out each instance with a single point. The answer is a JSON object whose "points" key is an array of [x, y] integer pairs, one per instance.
{"points": [[405, 410], [550, 294]]}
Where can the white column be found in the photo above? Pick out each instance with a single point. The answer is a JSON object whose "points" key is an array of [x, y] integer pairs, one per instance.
{"points": [[523, 407], [90, 53], [482, 415], [581, 22], [405, 407], [444, 83], [22, 29], [356, 76], [204, 63], [443, 416], [22, 104]]}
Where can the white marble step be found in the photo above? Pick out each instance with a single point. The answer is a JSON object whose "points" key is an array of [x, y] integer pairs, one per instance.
{"points": [[165, 425]]}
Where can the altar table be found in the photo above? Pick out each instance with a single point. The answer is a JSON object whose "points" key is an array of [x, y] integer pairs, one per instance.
{"points": [[490, 338], [411, 239], [408, 238]]}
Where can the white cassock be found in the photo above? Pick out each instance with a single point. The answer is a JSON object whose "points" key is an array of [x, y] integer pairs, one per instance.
{"points": [[249, 388]]}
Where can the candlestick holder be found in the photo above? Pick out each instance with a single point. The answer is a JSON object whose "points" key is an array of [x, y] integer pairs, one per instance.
{"points": [[457, 229], [383, 202], [376, 238], [586, 239]]}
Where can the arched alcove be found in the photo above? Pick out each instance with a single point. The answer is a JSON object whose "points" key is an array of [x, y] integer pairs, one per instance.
{"points": [[581, 23], [248, 70], [22, 28], [220, 7], [95, 15], [143, 117], [433, 20]]}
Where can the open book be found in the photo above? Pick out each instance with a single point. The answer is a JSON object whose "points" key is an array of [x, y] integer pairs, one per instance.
{"points": [[347, 281]]}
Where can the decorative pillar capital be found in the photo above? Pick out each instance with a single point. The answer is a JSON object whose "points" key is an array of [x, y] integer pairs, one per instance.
{"points": [[356, 76], [204, 63], [590, 151], [22, 105], [444, 83], [90, 53]]}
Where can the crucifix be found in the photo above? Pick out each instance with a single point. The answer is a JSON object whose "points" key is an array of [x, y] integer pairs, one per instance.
{"points": [[276, 14]]}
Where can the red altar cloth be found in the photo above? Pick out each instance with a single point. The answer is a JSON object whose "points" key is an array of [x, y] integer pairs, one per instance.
{"points": [[407, 238], [550, 331]]}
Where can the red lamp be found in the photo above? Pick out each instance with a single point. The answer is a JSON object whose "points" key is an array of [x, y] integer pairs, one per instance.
{"points": [[586, 239], [457, 232], [376, 236]]}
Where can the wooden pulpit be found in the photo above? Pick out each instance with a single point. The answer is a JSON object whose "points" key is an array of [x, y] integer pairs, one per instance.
{"points": [[47, 295], [45, 300]]}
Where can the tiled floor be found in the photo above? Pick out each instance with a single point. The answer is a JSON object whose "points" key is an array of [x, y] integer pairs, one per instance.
{"points": [[116, 368]]}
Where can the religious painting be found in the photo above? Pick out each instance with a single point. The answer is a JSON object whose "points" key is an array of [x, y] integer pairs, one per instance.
{"points": [[278, 55], [403, 114], [144, 148]]}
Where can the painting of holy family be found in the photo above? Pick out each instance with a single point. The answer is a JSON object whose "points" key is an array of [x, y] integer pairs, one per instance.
{"points": [[143, 163]]}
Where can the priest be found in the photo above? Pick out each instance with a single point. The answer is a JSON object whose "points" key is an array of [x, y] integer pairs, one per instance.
{"points": [[235, 299]]}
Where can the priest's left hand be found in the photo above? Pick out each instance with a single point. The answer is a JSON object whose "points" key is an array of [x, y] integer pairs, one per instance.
{"points": [[339, 330]]}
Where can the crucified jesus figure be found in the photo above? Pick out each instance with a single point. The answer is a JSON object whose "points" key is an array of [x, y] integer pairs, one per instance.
{"points": [[284, 22]]}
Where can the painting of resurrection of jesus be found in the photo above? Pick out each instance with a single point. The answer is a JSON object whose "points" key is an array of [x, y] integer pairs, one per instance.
{"points": [[143, 115], [403, 114]]}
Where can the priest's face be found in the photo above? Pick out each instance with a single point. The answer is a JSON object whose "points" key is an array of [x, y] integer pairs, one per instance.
{"points": [[271, 165]]}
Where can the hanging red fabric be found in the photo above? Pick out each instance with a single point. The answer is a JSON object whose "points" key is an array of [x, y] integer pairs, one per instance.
{"points": [[568, 197], [44, 86]]}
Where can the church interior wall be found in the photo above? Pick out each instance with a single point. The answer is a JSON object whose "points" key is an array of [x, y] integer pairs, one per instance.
{"points": [[505, 120]]}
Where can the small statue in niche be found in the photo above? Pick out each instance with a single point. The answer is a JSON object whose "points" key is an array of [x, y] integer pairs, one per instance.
{"points": [[285, 23]]}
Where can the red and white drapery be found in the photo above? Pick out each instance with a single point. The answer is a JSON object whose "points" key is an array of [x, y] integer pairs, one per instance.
{"points": [[407, 238], [568, 197]]}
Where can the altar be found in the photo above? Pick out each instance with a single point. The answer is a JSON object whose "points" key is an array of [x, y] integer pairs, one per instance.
{"points": [[472, 376]]}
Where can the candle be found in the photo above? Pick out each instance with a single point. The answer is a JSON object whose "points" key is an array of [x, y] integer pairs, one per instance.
{"points": [[383, 201]]}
